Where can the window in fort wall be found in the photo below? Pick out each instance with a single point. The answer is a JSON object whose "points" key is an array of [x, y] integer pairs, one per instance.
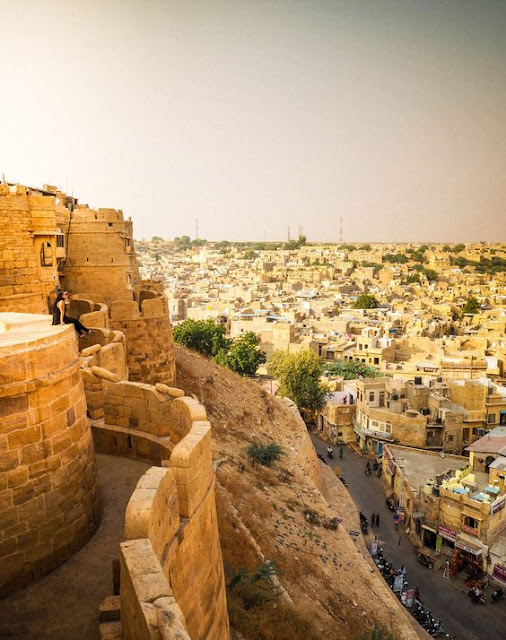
{"points": [[46, 255]]}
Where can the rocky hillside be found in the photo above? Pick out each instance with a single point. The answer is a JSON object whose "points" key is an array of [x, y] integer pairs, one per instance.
{"points": [[328, 587]]}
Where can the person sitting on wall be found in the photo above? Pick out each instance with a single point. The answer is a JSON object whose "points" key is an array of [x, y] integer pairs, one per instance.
{"points": [[59, 316]]}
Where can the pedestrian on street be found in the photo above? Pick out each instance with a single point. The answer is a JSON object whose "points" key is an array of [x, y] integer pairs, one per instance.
{"points": [[396, 521], [373, 520], [377, 523], [341, 451], [417, 593]]}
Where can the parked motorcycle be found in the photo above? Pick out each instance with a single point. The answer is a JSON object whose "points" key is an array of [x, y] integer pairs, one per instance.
{"points": [[425, 560], [390, 503], [496, 595], [320, 457], [476, 597]]}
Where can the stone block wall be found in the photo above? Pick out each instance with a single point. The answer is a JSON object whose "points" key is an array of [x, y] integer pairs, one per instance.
{"points": [[150, 350], [104, 361], [49, 497], [139, 420], [100, 255], [25, 284], [172, 535]]}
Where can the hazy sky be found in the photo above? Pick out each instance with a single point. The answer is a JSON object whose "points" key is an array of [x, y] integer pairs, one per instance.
{"points": [[252, 115]]}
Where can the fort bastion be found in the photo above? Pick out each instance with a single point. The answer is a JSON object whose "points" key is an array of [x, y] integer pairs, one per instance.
{"points": [[62, 399], [48, 482]]}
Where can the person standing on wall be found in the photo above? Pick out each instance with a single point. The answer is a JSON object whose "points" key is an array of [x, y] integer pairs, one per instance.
{"points": [[59, 316]]}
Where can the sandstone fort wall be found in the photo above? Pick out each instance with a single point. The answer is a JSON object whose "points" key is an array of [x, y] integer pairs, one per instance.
{"points": [[150, 349], [49, 494], [25, 284]]}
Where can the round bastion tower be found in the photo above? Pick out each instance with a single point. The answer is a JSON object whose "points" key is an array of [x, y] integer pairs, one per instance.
{"points": [[49, 494], [101, 265]]}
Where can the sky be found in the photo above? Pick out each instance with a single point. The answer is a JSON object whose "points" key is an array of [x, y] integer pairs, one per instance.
{"points": [[252, 115]]}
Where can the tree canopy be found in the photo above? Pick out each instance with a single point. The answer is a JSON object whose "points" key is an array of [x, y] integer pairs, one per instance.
{"points": [[365, 301], [204, 336], [472, 305], [299, 378], [349, 370], [242, 355]]}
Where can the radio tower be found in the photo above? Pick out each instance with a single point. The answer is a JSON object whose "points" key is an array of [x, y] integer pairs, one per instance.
{"points": [[341, 231], [301, 231], [196, 228], [288, 233]]}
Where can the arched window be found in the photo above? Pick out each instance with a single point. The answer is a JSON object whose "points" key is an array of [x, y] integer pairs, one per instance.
{"points": [[46, 255]]}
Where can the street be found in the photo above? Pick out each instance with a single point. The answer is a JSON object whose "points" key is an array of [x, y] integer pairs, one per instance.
{"points": [[443, 598]]}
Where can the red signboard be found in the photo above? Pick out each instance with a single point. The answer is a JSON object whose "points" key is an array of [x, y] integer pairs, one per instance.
{"points": [[499, 573], [447, 534], [470, 530]]}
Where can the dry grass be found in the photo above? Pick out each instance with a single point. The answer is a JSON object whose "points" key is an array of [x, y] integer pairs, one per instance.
{"points": [[261, 517]]}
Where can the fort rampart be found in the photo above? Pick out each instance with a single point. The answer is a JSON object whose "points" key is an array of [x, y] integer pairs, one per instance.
{"points": [[28, 260], [146, 325], [49, 494], [171, 563]]}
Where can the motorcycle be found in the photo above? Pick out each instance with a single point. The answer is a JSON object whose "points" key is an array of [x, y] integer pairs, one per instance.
{"points": [[330, 453], [320, 457], [496, 595], [425, 560], [476, 597], [390, 503]]}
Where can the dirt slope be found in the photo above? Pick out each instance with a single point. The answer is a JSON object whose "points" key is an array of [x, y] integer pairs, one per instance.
{"points": [[263, 515]]}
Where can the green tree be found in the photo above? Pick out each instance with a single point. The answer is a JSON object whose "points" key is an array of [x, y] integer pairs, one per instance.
{"points": [[430, 274], [459, 247], [350, 370], [395, 258], [243, 355], [204, 336], [183, 242], [472, 305], [156, 239], [250, 255], [413, 278], [299, 378], [365, 247], [365, 301]]}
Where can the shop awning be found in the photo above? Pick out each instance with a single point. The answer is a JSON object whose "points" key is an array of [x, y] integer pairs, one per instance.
{"points": [[468, 546], [429, 528]]}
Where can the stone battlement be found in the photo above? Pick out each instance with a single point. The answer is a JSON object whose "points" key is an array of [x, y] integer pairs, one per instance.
{"points": [[48, 483]]}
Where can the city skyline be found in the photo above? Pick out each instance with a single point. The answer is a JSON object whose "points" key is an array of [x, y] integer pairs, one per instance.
{"points": [[252, 116]]}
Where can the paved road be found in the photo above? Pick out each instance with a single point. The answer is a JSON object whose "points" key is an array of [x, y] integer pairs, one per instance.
{"points": [[445, 599]]}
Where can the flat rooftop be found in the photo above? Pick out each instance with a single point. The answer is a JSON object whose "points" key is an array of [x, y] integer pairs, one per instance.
{"points": [[419, 467], [17, 328]]}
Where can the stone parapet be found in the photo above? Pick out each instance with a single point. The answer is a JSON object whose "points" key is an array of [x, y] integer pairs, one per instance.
{"points": [[177, 548], [48, 482], [150, 347]]}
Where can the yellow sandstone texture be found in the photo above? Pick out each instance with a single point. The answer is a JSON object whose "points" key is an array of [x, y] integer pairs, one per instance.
{"points": [[48, 483], [172, 569]]}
